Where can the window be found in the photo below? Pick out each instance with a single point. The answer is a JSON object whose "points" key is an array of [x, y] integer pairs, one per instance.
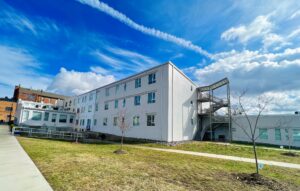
{"points": [[263, 133], [136, 120], [150, 120], [296, 134], [96, 107], [124, 102], [125, 86], [138, 82], [106, 106], [53, 119], [63, 118], [83, 122], [25, 115], [192, 121], [90, 108], [277, 134], [46, 116], [36, 116], [151, 97], [91, 97], [105, 121], [8, 108], [78, 110], [116, 103], [95, 122], [82, 100], [71, 119], [137, 100], [107, 92], [115, 122], [76, 121], [117, 88], [151, 78]]}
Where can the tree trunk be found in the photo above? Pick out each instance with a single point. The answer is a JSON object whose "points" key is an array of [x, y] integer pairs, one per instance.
{"points": [[122, 140], [255, 155]]}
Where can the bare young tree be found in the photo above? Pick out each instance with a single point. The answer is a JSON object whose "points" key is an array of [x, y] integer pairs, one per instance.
{"points": [[123, 124], [240, 109]]}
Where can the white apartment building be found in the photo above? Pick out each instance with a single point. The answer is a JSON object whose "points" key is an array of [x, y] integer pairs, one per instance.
{"points": [[160, 104], [36, 114]]}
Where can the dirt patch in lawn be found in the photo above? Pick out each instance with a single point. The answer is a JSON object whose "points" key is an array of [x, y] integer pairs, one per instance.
{"points": [[290, 154], [257, 179], [120, 152]]}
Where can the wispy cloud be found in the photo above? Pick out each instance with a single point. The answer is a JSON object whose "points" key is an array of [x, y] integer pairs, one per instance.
{"points": [[12, 18], [18, 66], [295, 14], [108, 60], [146, 30]]}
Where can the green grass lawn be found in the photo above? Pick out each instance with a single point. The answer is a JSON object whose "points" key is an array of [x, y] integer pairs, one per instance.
{"points": [[231, 149], [69, 166]]}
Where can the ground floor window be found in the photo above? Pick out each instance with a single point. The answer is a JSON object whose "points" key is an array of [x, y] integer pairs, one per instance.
{"points": [[46, 116], [105, 121], [277, 134], [115, 122], [136, 120], [63, 118], [53, 119], [71, 118], [25, 115], [36, 116], [296, 134], [263, 133], [151, 120], [95, 122]]}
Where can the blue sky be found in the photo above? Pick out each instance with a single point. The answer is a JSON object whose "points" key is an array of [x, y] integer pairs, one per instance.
{"points": [[70, 47]]}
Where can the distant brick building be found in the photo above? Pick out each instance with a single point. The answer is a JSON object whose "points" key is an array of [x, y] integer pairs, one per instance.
{"points": [[7, 110], [27, 94]]}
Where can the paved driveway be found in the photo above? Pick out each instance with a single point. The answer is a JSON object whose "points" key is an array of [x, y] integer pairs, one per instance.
{"points": [[17, 171]]}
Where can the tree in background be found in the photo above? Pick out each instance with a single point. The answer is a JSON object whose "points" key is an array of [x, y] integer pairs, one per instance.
{"points": [[257, 110]]}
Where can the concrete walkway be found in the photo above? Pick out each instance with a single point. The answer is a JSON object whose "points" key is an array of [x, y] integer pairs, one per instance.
{"points": [[225, 157], [17, 171]]}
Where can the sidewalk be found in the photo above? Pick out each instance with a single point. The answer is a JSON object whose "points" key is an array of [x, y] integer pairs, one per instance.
{"points": [[225, 157], [17, 171]]}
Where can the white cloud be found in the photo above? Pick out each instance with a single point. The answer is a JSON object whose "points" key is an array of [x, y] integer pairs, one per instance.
{"points": [[272, 74], [146, 30], [73, 82], [39, 27], [120, 59], [99, 70], [18, 66], [110, 60], [295, 14], [294, 33], [259, 27]]}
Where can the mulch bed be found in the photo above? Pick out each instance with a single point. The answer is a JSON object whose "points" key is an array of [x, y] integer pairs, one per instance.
{"points": [[257, 179], [120, 152], [290, 154]]}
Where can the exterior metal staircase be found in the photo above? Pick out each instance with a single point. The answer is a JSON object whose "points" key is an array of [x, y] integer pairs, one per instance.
{"points": [[208, 119]]}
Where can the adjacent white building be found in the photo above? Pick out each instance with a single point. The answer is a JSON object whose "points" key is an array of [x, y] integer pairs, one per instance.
{"points": [[160, 104], [271, 129], [35, 114]]}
